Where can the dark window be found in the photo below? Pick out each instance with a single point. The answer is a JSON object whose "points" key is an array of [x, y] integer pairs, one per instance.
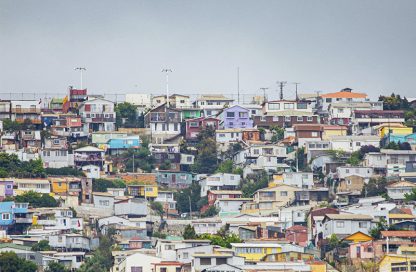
{"points": [[205, 261]]}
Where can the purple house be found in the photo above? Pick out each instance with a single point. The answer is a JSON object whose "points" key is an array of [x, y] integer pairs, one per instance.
{"points": [[6, 188], [235, 117]]}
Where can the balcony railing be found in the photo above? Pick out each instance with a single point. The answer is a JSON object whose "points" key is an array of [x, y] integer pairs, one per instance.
{"points": [[25, 110], [102, 119]]}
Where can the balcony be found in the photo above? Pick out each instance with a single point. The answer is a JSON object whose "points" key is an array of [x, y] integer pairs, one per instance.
{"points": [[26, 110], [103, 120], [23, 220]]}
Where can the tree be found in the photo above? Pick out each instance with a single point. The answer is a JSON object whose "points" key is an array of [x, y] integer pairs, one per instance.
{"points": [[253, 183], [42, 245], [354, 159], [101, 185], [10, 262], [56, 267], [225, 167], [189, 232], [210, 212], [334, 242], [380, 226], [102, 259], [37, 200], [126, 115], [411, 196], [182, 198], [221, 239], [375, 187], [11, 166], [206, 160], [139, 158], [278, 133], [157, 207]]}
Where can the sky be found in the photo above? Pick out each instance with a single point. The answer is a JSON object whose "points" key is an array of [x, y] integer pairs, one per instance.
{"points": [[369, 46]]}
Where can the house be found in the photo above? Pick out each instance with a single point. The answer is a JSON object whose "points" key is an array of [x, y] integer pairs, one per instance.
{"points": [[364, 119], [70, 242], [307, 132], [208, 225], [219, 181], [395, 138], [297, 234], [225, 136], [8, 141], [212, 104], [23, 185], [185, 254], [103, 200], [88, 155], [195, 125], [213, 195], [329, 131], [167, 248], [65, 186], [345, 224], [235, 117], [169, 160], [22, 110], [166, 198], [164, 123], [68, 125], [146, 190], [11, 213], [389, 160], [76, 97], [345, 95], [6, 188], [137, 261], [191, 113], [349, 170], [252, 134], [256, 251], [4, 109], [30, 140], [167, 266], [91, 171], [55, 153], [56, 219], [101, 138], [340, 113], [390, 129], [352, 143], [267, 200], [206, 261], [142, 101], [396, 262], [398, 190], [97, 115], [174, 179], [176, 101], [131, 208], [120, 145], [284, 105], [230, 206], [302, 180], [351, 184], [59, 104]]}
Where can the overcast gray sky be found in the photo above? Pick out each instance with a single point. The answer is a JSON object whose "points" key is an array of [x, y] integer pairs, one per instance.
{"points": [[369, 46]]}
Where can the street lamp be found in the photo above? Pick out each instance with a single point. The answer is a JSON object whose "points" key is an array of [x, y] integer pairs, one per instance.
{"points": [[81, 70], [167, 71]]}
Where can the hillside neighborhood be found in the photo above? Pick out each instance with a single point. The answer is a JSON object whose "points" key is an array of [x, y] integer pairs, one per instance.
{"points": [[161, 183]]}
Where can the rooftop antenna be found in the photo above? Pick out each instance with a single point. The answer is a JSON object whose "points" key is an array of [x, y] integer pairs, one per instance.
{"points": [[281, 85], [296, 90], [81, 70], [264, 89]]}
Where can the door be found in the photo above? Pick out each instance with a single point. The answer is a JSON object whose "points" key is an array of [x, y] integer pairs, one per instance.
{"points": [[358, 252]]}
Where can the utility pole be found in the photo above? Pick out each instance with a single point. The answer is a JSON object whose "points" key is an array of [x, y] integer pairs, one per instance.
{"points": [[167, 71], [264, 93], [133, 164], [238, 85], [296, 90], [281, 85], [81, 70]]}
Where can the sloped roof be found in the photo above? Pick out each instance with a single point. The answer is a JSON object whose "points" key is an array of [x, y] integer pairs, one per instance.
{"points": [[402, 183], [347, 216], [343, 94], [89, 149], [399, 233]]}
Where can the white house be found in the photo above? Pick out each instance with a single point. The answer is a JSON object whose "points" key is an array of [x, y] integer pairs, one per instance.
{"points": [[139, 261], [97, 115], [91, 171], [398, 190], [212, 104], [299, 179], [345, 224], [103, 200], [211, 226], [219, 181], [361, 171], [230, 206], [228, 135], [70, 241], [204, 261], [353, 143]]}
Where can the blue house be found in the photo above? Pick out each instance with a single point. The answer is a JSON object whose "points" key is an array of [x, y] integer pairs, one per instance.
{"points": [[174, 179], [120, 145], [11, 212], [396, 138]]}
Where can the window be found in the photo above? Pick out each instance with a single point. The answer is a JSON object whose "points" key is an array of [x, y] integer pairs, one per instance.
{"points": [[309, 119], [205, 261], [163, 269], [347, 171], [274, 106], [182, 101], [362, 224], [283, 193], [302, 106], [5, 216], [288, 118], [104, 203], [328, 100], [340, 224], [299, 118], [358, 143], [289, 106], [221, 261], [185, 255], [136, 269], [314, 134], [193, 124], [242, 114], [275, 118], [263, 118]]}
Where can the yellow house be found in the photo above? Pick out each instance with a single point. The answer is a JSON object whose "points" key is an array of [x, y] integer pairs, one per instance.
{"points": [[254, 252], [394, 129], [317, 266], [358, 237], [65, 185], [144, 190], [333, 130], [268, 200], [395, 262]]}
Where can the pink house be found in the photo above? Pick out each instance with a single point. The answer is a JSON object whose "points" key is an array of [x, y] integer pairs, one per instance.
{"points": [[297, 234], [194, 126]]}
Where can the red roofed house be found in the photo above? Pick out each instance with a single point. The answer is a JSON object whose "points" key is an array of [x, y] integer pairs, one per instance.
{"points": [[297, 234], [345, 95]]}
